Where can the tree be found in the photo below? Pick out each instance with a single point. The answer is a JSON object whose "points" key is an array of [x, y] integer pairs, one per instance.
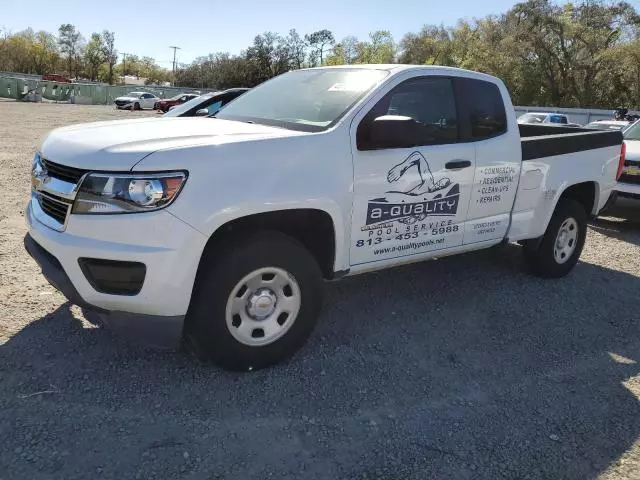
{"points": [[268, 56], [70, 41], [344, 52], [580, 54], [380, 48], [110, 53], [432, 45], [319, 41], [349, 47], [297, 48], [94, 55], [44, 53], [219, 71]]}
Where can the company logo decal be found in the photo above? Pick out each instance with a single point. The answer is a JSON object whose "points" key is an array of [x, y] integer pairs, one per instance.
{"points": [[428, 198]]}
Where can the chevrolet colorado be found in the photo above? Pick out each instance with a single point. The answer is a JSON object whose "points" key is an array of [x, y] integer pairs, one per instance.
{"points": [[217, 233]]}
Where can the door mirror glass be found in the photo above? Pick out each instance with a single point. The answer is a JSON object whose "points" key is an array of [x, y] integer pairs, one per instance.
{"points": [[203, 112], [394, 131]]}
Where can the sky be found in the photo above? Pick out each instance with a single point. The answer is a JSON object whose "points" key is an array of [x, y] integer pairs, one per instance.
{"points": [[200, 27]]}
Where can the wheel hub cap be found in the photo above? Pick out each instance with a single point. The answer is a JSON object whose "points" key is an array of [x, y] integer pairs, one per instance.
{"points": [[566, 240], [262, 304]]}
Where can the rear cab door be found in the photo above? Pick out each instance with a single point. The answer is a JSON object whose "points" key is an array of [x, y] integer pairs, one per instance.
{"points": [[411, 201], [492, 129]]}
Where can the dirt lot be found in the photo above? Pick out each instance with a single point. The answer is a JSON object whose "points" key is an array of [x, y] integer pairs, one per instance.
{"points": [[460, 368]]}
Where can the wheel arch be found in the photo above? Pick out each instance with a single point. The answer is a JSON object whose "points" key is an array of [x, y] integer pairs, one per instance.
{"points": [[585, 193], [316, 229]]}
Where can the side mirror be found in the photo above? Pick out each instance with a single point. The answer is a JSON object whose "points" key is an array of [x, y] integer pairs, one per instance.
{"points": [[203, 112], [392, 131]]}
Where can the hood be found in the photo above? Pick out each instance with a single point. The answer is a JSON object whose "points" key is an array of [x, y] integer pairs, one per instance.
{"points": [[633, 150], [120, 144]]}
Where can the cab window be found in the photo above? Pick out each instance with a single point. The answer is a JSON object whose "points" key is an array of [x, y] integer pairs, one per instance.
{"points": [[429, 101], [483, 107]]}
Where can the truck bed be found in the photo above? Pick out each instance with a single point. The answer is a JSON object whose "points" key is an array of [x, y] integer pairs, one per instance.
{"points": [[539, 141]]}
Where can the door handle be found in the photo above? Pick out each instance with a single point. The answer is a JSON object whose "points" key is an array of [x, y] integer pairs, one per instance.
{"points": [[457, 164]]}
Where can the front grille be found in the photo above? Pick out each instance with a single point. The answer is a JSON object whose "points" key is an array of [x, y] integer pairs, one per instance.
{"points": [[55, 208], [62, 172], [121, 103], [625, 178]]}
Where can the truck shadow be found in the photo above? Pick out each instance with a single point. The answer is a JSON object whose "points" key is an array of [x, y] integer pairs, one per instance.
{"points": [[622, 221], [459, 368]]}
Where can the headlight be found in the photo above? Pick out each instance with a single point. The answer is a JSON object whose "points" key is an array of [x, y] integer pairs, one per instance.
{"points": [[102, 193]]}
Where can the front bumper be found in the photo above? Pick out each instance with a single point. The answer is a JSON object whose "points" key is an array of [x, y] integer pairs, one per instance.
{"points": [[152, 330], [169, 249]]}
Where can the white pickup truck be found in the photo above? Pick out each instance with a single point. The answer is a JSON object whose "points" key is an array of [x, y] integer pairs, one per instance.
{"points": [[216, 233]]}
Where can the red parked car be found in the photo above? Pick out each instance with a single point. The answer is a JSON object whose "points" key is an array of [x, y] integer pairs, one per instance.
{"points": [[54, 77], [165, 105]]}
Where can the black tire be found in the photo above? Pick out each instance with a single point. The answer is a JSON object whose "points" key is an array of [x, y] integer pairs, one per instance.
{"points": [[206, 328], [541, 259], [136, 106]]}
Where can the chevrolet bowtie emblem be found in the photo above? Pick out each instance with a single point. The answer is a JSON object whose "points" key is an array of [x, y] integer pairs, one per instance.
{"points": [[39, 175]]}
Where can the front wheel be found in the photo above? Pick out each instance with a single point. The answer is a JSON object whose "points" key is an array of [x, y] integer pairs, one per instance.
{"points": [[562, 243], [255, 303], [136, 106]]}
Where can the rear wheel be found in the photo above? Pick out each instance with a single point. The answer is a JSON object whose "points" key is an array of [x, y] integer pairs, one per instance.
{"points": [[255, 303], [560, 248]]}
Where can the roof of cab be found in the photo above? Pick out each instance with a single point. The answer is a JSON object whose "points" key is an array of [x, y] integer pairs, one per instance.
{"points": [[396, 68]]}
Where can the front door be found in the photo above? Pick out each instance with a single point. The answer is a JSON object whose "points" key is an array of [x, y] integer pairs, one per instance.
{"points": [[148, 100], [412, 201]]}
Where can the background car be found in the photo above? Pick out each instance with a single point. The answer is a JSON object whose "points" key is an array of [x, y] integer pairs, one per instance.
{"points": [[544, 117], [206, 104], [54, 77], [629, 182], [136, 101], [608, 125], [165, 105]]}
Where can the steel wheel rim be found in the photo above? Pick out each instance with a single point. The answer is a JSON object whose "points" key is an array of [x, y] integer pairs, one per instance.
{"points": [[566, 240], [263, 306]]}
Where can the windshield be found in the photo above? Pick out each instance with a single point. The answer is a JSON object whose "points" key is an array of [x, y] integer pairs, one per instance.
{"points": [[186, 106], [532, 118], [633, 132], [307, 100], [133, 94]]}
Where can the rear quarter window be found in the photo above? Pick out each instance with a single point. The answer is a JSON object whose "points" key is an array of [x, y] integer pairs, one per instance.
{"points": [[482, 104]]}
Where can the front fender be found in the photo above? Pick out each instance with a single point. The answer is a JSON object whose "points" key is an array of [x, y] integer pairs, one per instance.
{"points": [[223, 216]]}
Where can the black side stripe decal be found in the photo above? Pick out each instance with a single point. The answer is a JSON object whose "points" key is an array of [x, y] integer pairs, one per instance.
{"points": [[550, 145]]}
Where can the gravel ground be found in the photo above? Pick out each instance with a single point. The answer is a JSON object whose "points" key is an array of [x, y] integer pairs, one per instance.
{"points": [[463, 368]]}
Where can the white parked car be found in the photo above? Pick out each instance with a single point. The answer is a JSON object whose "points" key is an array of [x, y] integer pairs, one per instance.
{"points": [[136, 101], [608, 125], [219, 230], [546, 119], [629, 183]]}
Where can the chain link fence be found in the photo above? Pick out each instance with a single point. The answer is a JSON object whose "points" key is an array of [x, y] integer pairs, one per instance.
{"points": [[85, 94]]}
